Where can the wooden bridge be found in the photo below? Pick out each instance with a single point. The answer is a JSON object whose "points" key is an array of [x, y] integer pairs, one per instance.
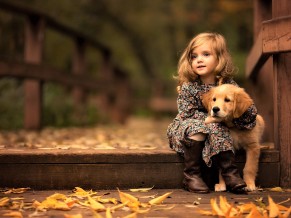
{"points": [[268, 68]]}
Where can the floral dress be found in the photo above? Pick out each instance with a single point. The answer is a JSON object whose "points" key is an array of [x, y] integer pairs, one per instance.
{"points": [[190, 120]]}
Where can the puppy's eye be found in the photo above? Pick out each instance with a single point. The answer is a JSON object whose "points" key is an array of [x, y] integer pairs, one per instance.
{"points": [[227, 100], [214, 99]]}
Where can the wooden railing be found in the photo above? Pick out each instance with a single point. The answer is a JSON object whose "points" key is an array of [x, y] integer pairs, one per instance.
{"points": [[114, 103], [271, 53]]}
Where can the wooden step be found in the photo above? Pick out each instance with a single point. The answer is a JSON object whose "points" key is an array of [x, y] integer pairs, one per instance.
{"points": [[108, 169]]}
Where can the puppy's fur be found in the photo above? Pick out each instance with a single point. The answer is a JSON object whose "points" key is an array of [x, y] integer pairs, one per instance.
{"points": [[224, 103]]}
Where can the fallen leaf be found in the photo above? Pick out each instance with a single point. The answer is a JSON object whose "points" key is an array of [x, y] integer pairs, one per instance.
{"points": [[141, 189], [96, 205], [124, 197], [81, 193], [276, 189], [254, 213], [108, 213], [273, 208], [16, 190], [215, 209], [160, 199], [287, 213], [14, 214], [73, 216], [4, 201]]}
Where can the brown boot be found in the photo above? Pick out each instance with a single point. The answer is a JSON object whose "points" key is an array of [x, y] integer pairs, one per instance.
{"points": [[229, 171], [193, 181]]}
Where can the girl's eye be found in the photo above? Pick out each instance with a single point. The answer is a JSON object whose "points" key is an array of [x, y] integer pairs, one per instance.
{"points": [[192, 56], [227, 100], [206, 54], [214, 99]]}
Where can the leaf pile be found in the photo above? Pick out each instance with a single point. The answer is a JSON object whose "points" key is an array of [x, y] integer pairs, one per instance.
{"points": [[250, 210], [83, 199]]}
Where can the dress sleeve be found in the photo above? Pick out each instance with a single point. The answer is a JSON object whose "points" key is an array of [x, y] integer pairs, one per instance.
{"points": [[187, 101], [248, 119]]}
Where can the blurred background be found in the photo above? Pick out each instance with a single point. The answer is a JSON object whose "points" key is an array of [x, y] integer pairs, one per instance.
{"points": [[146, 39]]}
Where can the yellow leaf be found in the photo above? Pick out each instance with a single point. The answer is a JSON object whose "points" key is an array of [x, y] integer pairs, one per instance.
{"points": [[14, 214], [254, 213], [107, 200], [276, 189], [205, 212], [160, 199], [4, 201], [224, 205], [273, 208], [141, 189], [96, 205], [287, 213], [73, 216], [108, 213], [280, 207], [215, 209], [81, 193], [58, 196], [124, 197], [246, 207], [118, 206], [16, 190]]}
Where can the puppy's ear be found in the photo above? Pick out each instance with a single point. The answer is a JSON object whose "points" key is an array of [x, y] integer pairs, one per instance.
{"points": [[206, 99], [242, 101]]}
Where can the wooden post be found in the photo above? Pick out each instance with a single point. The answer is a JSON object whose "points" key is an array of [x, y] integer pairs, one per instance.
{"points": [[106, 97], [261, 87], [282, 99], [120, 107], [33, 49], [79, 68]]}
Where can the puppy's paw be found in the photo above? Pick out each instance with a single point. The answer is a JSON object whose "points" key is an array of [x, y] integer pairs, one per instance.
{"points": [[251, 187], [220, 187]]}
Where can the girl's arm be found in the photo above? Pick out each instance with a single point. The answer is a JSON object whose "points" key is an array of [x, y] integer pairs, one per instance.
{"points": [[248, 119]]}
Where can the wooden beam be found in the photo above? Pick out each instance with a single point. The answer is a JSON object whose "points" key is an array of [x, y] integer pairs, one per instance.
{"points": [[44, 73], [276, 35]]}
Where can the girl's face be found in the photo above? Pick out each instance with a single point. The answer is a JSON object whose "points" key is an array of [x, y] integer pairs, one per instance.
{"points": [[204, 62]]}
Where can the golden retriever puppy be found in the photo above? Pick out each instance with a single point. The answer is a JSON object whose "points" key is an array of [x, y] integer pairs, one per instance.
{"points": [[224, 103]]}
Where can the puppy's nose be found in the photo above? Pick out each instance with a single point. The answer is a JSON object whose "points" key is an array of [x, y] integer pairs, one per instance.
{"points": [[215, 109]]}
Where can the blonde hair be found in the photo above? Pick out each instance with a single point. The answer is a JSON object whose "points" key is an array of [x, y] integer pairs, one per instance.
{"points": [[224, 69]]}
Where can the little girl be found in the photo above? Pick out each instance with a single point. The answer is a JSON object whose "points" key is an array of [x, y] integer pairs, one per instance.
{"points": [[205, 63]]}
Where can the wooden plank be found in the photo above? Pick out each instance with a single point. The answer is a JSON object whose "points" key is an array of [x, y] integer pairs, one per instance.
{"points": [[97, 176], [117, 156]]}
